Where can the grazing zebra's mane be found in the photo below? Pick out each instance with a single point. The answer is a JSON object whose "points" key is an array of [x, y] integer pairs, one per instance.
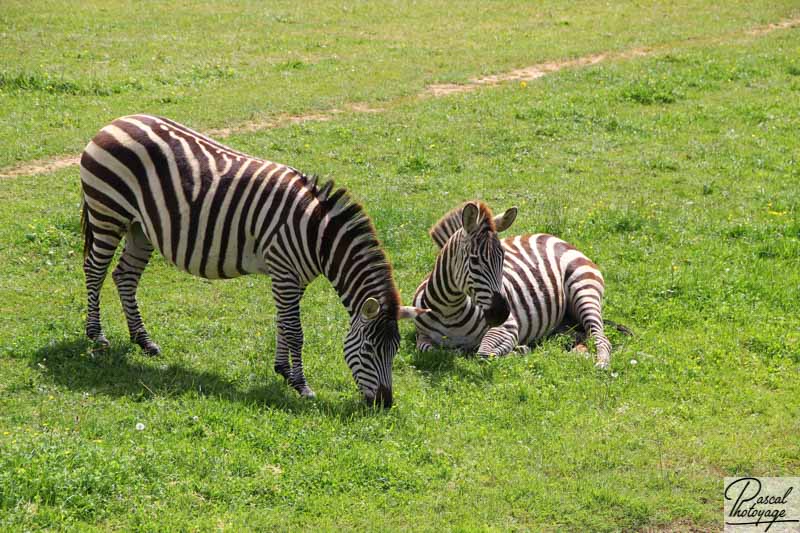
{"points": [[349, 213], [451, 222]]}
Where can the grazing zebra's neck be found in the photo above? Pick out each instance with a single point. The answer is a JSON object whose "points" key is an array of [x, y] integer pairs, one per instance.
{"points": [[351, 257]]}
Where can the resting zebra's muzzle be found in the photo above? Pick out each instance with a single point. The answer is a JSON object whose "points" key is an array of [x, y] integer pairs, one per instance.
{"points": [[497, 312]]}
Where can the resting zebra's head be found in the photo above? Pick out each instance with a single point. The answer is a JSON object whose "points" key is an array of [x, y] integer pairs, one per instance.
{"points": [[482, 254], [371, 345]]}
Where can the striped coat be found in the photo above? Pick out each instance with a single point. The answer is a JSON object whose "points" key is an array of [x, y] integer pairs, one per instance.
{"points": [[548, 283]]}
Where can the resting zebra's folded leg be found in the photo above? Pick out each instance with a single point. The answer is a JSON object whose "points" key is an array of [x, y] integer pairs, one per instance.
{"points": [[287, 292], [126, 277], [501, 340], [424, 344]]}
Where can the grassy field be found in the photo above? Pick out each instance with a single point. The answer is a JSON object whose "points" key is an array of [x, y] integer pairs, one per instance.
{"points": [[67, 68], [676, 173]]}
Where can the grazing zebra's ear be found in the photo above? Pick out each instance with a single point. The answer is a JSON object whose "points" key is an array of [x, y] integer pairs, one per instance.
{"points": [[406, 311], [370, 309], [504, 221], [469, 217]]}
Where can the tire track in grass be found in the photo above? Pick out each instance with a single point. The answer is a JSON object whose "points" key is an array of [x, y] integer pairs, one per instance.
{"points": [[530, 73]]}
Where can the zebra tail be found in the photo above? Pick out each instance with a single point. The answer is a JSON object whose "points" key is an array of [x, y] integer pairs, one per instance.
{"points": [[625, 330], [86, 231]]}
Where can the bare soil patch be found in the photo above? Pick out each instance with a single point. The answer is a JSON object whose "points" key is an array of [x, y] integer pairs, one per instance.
{"points": [[528, 73]]}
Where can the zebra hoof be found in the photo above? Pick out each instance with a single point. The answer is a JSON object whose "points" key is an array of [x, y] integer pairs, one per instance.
{"points": [[101, 342], [306, 392], [150, 348]]}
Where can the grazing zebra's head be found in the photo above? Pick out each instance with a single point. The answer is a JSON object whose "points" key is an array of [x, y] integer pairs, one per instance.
{"points": [[371, 345], [482, 253]]}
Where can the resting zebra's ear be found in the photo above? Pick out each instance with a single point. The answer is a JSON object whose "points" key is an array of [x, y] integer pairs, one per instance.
{"points": [[469, 217], [407, 311], [370, 309], [504, 221]]}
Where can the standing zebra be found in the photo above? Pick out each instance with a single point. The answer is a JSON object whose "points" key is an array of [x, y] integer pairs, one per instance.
{"points": [[218, 213], [547, 282]]}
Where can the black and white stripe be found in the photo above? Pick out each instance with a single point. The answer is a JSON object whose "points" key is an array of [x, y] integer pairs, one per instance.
{"points": [[469, 269], [218, 213], [548, 284]]}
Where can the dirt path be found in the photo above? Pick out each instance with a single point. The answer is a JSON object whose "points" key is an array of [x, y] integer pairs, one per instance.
{"points": [[530, 73]]}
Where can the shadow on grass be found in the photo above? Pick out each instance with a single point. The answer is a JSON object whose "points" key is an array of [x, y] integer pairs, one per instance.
{"points": [[116, 372], [442, 364]]}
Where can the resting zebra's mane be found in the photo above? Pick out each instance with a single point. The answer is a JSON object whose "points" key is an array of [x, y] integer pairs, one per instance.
{"points": [[451, 222]]}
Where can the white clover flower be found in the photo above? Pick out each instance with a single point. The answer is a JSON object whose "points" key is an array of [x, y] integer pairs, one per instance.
{"points": [[634, 362], [139, 426]]}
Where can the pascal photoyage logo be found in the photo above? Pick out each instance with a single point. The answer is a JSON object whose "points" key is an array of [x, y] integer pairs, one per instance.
{"points": [[762, 504]]}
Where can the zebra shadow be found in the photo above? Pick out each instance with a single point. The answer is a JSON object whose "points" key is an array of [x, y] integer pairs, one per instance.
{"points": [[117, 372], [441, 364]]}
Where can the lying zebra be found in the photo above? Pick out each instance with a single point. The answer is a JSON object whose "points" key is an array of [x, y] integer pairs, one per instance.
{"points": [[547, 282]]}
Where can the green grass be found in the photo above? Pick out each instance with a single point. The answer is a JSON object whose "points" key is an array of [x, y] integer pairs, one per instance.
{"points": [[677, 174], [66, 68]]}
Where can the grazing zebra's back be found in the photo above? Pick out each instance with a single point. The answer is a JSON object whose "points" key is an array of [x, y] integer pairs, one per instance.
{"points": [[218, 213], [197, 200]]}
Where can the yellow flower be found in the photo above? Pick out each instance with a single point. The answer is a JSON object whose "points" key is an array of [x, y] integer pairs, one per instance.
{"points": [[523, 84]]}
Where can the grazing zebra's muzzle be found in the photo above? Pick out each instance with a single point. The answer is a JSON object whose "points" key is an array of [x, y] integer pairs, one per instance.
{"points": [[498, 311], [382, 398]]}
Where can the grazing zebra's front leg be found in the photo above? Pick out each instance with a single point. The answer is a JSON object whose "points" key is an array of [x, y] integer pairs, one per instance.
{"points": [[287, 293], [500, 340], [132, 263]]}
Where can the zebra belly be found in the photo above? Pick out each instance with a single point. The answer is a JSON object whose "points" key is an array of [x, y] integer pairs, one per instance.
{"points": [[538, 306], [534, 328], [190, 257]]}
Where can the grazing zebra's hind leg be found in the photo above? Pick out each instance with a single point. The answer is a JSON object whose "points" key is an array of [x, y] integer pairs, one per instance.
{"points": [[100, 243], [500, 340], [126, 277], [287, 292]]}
